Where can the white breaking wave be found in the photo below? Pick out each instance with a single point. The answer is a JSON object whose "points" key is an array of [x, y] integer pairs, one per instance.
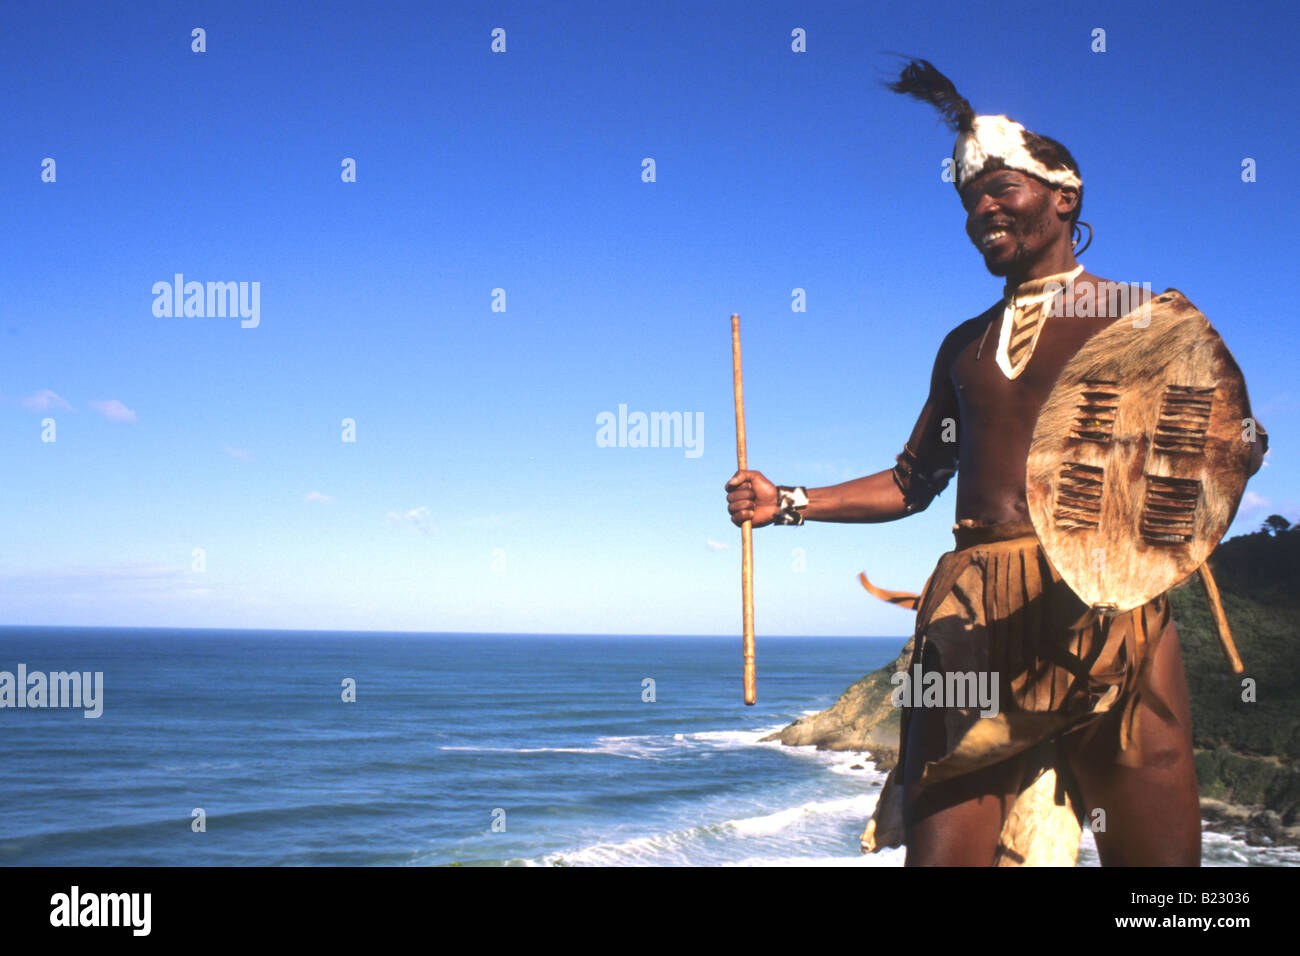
{"points": [[1223, 849], [797, 817], [657, 850], [736, 736], [642, 746], [637, 748], [776, 838], [886, 858], [717, 841]]}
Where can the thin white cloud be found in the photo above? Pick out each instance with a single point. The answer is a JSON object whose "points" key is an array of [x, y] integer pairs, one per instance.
{"points": [[238, 453], [126, 571], [416, 518], [113, 410], [1255, 507], [1252, 503], [43, 401], [317, 498], [124, 580], [716, 545]]}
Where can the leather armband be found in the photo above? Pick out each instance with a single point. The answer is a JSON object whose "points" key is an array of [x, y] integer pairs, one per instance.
{"points": [[918, 487], [790, 503]]}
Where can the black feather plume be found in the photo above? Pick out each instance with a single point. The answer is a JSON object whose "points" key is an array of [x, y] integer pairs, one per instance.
{"points": [[921, 80]]}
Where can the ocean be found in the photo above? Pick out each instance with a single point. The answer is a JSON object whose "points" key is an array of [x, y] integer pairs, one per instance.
{"points": [[231, 748]]}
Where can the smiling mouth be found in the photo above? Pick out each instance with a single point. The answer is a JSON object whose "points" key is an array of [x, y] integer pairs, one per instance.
{"points": [[993, 236]]}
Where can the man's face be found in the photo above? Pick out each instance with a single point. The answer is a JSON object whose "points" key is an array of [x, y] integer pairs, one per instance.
{"points": [[1011, 218]]}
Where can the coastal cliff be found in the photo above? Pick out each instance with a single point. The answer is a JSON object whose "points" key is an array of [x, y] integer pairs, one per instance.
{"points": [[1245, 749]]}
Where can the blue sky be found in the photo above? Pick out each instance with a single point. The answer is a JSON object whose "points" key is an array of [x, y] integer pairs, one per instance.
{"points": [[475, 496]]}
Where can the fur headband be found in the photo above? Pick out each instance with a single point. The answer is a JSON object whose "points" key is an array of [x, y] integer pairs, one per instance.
{"points": [[984, 143]]}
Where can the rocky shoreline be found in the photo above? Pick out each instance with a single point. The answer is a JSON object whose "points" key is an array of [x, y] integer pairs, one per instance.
{"points": [[862, 720], [1257, 826]]}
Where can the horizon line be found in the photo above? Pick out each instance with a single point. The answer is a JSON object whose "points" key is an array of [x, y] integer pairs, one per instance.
{"points": [[306, 630]]}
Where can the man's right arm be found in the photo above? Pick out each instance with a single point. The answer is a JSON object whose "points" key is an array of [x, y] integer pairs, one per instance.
{"points": [[870, 499]]}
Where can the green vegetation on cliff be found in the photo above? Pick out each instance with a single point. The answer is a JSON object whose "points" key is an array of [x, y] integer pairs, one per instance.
{"points": [[1247, 750]]}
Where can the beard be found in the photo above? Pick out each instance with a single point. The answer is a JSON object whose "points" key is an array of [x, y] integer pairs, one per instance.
{"points": [[1004, 266], [1031, 237]]}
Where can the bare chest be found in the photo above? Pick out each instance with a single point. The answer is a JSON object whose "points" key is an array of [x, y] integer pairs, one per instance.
{"points": [[990, 400]]}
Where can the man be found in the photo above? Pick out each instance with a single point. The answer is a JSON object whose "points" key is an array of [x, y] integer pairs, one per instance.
{"points": [[1101, 697]]}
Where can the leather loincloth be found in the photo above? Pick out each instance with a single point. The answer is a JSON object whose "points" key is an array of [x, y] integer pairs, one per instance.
{"points": [[995, 605]]}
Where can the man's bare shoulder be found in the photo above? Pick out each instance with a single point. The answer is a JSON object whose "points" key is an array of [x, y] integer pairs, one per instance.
{"points": [[967, 332]]}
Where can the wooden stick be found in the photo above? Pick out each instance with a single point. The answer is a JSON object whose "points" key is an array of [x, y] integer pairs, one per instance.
{"points": [[1220, 619], [746, 529]]}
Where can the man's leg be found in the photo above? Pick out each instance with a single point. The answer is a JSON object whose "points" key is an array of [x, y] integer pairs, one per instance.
{"points": [[1152, 812], [958, 822]]}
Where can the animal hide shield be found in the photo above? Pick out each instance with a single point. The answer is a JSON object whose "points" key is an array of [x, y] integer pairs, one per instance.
{"points": [[1140, 455]]}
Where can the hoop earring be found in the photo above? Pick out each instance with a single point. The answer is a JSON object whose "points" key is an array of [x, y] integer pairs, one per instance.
{"points": [[1078, 234]]}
